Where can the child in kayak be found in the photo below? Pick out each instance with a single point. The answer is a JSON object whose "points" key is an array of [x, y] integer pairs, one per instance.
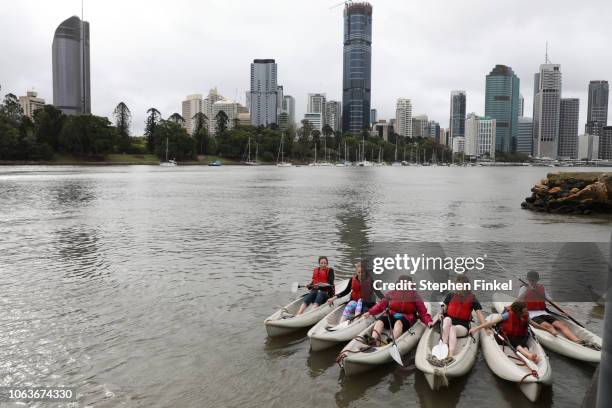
{"points": [[321, 287], [514, 324], [401, 308], [361, 294], [535, 295], [458, 308]]}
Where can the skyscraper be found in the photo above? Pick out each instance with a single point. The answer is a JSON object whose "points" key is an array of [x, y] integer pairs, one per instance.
{"points": [[357, 67], [333, 115], [190, 106], [316, 103], [502, 104], [524, 138], [521, 106], [568, 128], [547, 104], [457, 114], [420, 126], [264, 89], [373, 116], [598, 103], [605, 143], [403, 117], [289, 107], [480, 136], [70, 60]]}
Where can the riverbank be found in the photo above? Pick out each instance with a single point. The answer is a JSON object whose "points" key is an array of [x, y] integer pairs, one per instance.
{"points": [[114, 160]]}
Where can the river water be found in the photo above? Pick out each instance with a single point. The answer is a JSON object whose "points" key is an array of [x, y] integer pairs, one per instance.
{"points": [[147, 286]]}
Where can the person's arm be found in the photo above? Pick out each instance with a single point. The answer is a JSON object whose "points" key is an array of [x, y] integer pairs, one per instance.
{"points": [[330, 276], [377, 308], [423, 313], [495, 320], [345, 292], [478, 309], [521, 293]]}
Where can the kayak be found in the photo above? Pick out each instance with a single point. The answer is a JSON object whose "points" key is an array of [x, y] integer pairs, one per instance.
{"points": [[329, 331], [437, 374], [560, 344], [357, 357], [508, 366], [284, 321]]}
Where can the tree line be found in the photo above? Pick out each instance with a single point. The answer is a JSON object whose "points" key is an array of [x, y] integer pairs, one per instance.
{"points": [[52, 132]]}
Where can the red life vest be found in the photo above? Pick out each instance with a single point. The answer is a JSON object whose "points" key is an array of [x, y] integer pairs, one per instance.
{"points": [[402, 302], [319, 275], [355, 288], [515, 326], [460, 307], [535, 298]]}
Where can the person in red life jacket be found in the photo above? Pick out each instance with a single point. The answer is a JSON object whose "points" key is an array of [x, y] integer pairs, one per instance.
{"points": [[401, 307], [514, 324], [458, 308], [535, 296], [361, 292], [321, 287]]}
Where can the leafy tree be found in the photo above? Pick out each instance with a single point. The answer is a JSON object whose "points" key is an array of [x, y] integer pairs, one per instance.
{"points": [[150, 124], [87, 135], [11, 108], [123, 118], [221, 119], [48, 122], [180, 145], [176, 118], [200, 132]]}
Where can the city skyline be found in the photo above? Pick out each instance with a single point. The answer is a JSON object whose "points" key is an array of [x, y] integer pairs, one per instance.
{"points": [[141, 76]]}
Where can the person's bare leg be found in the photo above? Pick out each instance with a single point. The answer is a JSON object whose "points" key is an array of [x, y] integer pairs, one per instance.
{"points": [[452, 341], [303, 307], [562, 327], [531, 356], [447, 323], [378, 326], [398, 329], [548, 326]]}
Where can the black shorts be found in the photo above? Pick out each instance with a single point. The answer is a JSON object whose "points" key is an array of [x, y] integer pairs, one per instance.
{"points": [[459, 322], [544, 319], [518, 341], [385, 320]]}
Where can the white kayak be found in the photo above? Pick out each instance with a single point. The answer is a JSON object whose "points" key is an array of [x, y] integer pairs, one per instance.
{"points": [[357, 357], [284, 321], [508, 366], [329, 331], [437, 374], [560, 344]]}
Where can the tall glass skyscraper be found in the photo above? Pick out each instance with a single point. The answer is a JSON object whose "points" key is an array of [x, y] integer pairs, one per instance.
{"points": [[597, 113], [546, 111], [457, 114], [264, 92], [70, 60], [357, 70], [502, 104]]}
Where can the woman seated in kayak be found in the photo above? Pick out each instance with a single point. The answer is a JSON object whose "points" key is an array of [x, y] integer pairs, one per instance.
{"points": [[400, 309], [361, 294], [458, 308], [321, 287], [535, 295], [514, 325]]}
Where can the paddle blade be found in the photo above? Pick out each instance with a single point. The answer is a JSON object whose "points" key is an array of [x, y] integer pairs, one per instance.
{"points": [[440, 350], [294, 287], [395, 355]]}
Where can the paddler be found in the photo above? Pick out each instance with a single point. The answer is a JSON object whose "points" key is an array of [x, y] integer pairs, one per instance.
{"points": [[400, 308], [362, 296], [457, 310], [321, 286]]}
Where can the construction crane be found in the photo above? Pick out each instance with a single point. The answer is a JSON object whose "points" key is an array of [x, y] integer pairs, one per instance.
{"points": [[347, 2]]}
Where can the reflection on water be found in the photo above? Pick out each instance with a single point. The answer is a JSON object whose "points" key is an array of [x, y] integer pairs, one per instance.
{"points": [[145, 286]]}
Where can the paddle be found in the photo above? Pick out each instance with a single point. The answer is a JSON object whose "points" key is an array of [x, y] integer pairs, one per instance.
{"points": [[545, 298], [295, 286], [527, 361], [553, 304], [393, 350], [440, 350]]}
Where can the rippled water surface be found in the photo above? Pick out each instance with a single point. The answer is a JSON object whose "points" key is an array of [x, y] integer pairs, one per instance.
{"points": [[147, 286]]}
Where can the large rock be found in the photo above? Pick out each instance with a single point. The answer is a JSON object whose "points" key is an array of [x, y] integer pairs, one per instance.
{"points": [[567, 193]]}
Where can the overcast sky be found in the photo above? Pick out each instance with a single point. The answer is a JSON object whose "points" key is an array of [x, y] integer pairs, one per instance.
{"points": [[152, 53]]}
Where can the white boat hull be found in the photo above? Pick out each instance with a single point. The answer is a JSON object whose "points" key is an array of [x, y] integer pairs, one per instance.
{"points": [[464, 358], [559, 344], [329, 332], [279, 324], [502, 361], [357, 361]]}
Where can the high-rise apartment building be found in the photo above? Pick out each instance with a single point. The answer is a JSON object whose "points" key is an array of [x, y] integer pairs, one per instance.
{"points": [[403, 117], [502, 104], [70, 61], [457, 114], [597, 111], [420, 126], [30, 103], [357, 67], [289, 107], [605, 143], [190, 106], [480, 136], [547, 105], [524, 138], [263, 94], [568, 128], [333, 115]]}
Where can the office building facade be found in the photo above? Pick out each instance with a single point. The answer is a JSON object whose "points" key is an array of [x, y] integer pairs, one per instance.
{"points": [[568, 128], [457, 114], [502, 104], [547, 105], [263, 94]]}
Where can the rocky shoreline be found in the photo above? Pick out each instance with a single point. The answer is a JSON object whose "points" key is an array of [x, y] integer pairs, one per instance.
{"points": [[572, 193]]}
